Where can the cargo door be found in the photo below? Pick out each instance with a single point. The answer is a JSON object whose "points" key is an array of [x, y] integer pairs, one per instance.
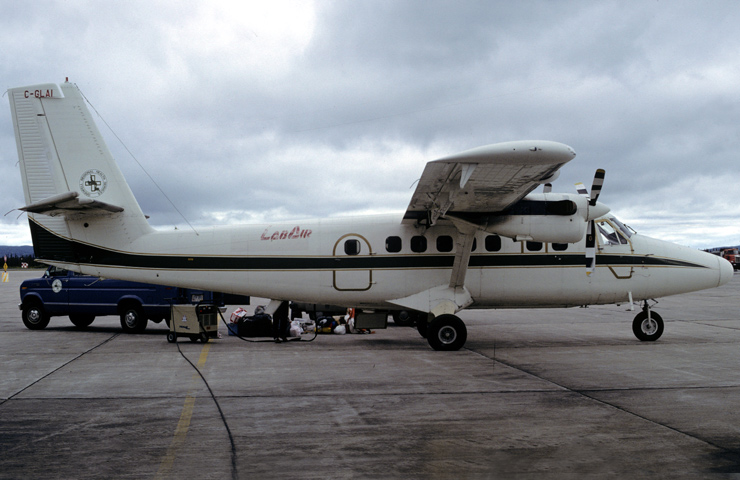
{"points": [[352, 271]]}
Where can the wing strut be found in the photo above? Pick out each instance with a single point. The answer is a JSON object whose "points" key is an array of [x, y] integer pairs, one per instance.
{"points": [[451, 298], [463, 248]]}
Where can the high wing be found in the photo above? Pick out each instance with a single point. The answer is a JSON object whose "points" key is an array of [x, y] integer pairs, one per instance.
{"points": [[485, 180]]}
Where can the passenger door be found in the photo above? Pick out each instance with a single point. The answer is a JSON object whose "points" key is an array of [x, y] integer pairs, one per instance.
{"points": [[352, 269]]}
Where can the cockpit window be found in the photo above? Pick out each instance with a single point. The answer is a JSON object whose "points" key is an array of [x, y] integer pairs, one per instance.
{"points": [[609, 233], [626, 231]]}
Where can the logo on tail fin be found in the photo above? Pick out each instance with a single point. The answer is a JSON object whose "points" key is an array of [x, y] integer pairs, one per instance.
{"points": [[93, 183]]}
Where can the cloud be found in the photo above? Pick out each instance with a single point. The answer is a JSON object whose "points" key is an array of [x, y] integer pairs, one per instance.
{"points": [[247, 111]]}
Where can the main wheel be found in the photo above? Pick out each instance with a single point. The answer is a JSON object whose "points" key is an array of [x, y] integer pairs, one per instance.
{"points": [[133, 319], [447, 332], [81, 320], [34, 317], [647, 330]]}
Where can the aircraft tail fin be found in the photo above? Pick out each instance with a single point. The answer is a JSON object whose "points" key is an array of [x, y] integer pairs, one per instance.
{"points": [[74, 191]]}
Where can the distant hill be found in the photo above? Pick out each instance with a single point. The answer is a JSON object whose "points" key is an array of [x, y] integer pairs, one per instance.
{"points": [[18, 251]]}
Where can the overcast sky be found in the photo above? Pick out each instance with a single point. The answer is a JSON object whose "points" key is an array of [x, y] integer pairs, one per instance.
{"points": [[247, 112]]}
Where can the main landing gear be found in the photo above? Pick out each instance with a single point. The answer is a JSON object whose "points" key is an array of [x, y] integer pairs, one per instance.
{"points": [[647, 325], [445, 332]]}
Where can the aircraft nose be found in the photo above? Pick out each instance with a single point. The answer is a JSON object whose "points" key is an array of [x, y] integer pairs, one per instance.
{"points": [[726, 271]]}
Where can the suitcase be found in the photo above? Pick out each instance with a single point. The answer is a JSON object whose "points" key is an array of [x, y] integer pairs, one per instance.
{"points": [[255, 326]]}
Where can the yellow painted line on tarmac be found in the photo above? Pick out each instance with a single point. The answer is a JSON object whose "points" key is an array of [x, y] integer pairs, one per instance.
{"points": [[181, 431]]}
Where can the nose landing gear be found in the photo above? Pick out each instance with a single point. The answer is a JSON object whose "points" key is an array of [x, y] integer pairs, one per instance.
{"points": [[647, 325]]}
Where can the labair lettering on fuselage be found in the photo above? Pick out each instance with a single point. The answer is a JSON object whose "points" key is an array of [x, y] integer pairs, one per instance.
{"points": [[295, 233], [39, 94]]}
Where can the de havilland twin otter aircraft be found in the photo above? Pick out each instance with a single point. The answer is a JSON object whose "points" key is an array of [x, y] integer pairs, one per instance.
{"points": [[474, 235]]}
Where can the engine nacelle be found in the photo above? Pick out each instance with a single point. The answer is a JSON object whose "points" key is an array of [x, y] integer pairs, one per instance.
{"points": [[546, 217]]}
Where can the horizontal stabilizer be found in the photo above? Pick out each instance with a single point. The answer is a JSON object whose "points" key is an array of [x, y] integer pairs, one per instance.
{"points": [[69, 203]]}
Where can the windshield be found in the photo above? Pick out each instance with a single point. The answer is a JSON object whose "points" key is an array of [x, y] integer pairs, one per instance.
{"points": [[627, 231], [614, 232]]}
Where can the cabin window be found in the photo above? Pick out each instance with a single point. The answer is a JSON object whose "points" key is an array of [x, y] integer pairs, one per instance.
{"points": [[560, 247], [475, 245], [418, 244], [493, 243], [534, 246], [393, 244], [352, 247], [444, 243]]}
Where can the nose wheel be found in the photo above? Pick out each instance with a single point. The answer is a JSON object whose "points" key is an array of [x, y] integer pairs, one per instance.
{"points": [[647, 326]]}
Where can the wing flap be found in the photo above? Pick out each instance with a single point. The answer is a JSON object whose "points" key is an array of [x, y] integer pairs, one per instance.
{"points": [[487, 179]]}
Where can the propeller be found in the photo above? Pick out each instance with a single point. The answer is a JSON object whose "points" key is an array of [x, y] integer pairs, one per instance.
{"points": [[593, 214]]}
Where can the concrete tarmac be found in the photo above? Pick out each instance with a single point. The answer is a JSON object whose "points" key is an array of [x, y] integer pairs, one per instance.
{"points": [[561, 393]]}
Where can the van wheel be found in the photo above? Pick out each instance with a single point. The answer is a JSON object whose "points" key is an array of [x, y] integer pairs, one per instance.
{"points": [[34, 317], [81, 320], [133, 319]]}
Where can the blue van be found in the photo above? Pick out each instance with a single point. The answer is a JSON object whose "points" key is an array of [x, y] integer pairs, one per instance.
{"points": [[60, 292]]}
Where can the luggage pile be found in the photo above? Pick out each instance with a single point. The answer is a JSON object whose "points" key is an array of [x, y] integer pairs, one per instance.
{"points": [[257, 325]]}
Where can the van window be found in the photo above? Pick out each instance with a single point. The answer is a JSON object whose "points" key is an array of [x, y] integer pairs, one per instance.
{"points": [[560, 247], [534, 246]]}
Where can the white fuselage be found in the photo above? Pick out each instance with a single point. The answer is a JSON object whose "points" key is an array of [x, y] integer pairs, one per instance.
{"points": [[370, 261]]}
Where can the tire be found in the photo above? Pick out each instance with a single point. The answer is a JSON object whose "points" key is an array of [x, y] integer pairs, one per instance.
{"points": [[133, 319], [422, 325], [81, 320], [447, 333], [171, 337], [404, 318], [204, 337], [647, 332], [34, 316]]}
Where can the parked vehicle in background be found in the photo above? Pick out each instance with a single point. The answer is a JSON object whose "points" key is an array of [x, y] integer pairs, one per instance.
{"points": [[83, 297], [731, 255]]}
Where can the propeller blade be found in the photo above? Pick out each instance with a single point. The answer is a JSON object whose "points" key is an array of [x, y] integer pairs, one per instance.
{"points": [[591, 248], [596, 186], [581, 189]]}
